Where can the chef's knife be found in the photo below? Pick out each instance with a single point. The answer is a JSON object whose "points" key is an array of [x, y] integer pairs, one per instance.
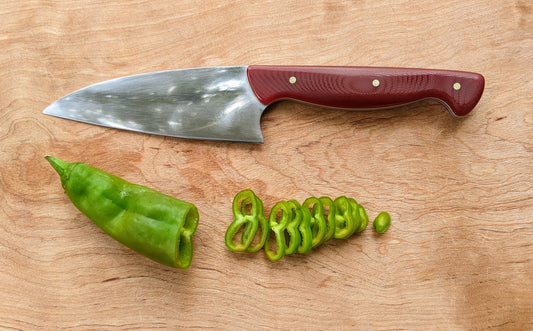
{"points": [[226, 103]]}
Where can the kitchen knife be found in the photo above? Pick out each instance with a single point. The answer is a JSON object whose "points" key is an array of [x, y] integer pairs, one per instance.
{"points": [[226, 103]]}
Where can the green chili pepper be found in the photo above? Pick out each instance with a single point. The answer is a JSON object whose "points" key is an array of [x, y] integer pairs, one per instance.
{"points": [[294, 228], [382, 222], [155, 225]]}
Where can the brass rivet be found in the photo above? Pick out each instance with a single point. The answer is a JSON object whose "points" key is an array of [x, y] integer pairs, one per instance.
{"points": [[457, 86], [292, 80], [375, 83]]}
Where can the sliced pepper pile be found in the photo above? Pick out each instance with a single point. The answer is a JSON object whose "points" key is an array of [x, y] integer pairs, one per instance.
{"points": [[295, 228]]}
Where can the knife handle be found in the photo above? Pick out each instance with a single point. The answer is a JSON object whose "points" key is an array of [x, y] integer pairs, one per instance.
{"points": [[366, 87]]}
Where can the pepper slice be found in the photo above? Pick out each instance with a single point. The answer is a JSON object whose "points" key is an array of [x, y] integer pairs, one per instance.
{"points": [[280, 216], [345, 217], [328, 207], [293, 231], [317, 222], [247, 212], [151, 223], [361, 215], [382, 222], [305, 231]]}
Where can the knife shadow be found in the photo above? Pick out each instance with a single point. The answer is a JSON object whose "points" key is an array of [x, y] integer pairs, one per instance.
{"points": [[294, 117]]}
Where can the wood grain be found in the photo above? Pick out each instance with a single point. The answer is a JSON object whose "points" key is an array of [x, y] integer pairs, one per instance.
{"points": [[457, 255]]}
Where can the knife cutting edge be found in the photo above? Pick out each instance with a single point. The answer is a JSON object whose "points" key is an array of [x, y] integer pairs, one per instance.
{"points": [[226, 103]]}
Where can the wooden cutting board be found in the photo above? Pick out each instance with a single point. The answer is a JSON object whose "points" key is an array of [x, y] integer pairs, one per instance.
{"points": [[460, 192]]}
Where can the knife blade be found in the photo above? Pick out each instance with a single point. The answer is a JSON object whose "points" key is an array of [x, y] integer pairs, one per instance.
{"points": [[226, 103]]}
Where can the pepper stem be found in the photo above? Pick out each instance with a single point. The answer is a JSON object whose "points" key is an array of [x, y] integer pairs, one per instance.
{"points": [[59, 165], [63, 168]]}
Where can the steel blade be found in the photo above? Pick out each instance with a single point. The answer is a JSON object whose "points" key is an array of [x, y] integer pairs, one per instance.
{"points": [[215, 103]]}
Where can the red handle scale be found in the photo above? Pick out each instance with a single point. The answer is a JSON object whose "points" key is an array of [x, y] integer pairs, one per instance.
{"points": [[366, 87]]}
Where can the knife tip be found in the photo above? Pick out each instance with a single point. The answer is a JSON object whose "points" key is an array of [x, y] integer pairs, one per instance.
{"points": [[52, 109], [47, 110]]}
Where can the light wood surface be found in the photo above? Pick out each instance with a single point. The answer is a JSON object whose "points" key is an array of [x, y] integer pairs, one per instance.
{"points": [[457, 256]]}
